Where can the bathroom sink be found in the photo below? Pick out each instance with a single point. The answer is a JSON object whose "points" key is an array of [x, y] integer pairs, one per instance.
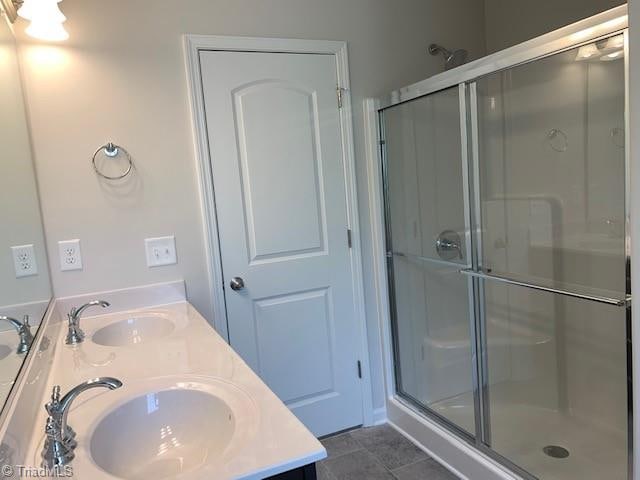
{"points": [[5, 351], [190, 428], [134, 330]]}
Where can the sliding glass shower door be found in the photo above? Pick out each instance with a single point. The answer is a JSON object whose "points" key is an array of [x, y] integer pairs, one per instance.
{"points": [[550, 164], [428, 243], [508, 261]]}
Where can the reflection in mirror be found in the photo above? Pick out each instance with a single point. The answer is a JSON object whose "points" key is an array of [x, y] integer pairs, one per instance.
{"points": [[24, 276]]}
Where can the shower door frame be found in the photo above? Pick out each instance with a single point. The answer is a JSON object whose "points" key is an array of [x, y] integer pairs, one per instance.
{"points": [[604, 25]]}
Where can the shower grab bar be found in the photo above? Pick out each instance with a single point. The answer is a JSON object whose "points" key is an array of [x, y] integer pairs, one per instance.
{"points": [[567, 293]]}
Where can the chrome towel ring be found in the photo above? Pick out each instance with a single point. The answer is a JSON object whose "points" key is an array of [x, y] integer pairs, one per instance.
{"points": [[112, 150]]}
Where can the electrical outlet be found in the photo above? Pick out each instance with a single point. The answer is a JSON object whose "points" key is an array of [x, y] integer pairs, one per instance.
{"points": [[70, 255], [160, 251], [24, 260]]}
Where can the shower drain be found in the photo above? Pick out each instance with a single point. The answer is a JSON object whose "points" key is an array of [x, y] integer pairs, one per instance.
{"points": [[555, 451]]}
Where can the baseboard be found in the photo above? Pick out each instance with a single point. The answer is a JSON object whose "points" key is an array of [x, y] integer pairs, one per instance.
{"points": [[379, 416]]}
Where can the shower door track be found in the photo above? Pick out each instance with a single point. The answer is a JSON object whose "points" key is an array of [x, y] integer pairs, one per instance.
{"points": [[581, 33]]}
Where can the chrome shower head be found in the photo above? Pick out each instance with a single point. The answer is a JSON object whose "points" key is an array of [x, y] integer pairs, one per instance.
{"points": [[451, 59]]}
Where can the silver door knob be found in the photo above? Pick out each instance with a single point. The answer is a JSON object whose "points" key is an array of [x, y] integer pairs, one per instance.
{"points": [[236, 284]]}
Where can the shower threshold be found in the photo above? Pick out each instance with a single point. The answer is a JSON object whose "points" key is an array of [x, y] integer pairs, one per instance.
{"points": [[521, 432]]}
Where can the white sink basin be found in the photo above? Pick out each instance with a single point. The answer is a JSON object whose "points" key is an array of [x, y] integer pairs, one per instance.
{"points": [[5, 351], [176, 431], [134, 330]]}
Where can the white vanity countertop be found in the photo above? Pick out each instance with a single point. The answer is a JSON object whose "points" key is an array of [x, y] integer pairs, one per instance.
{"points": [[273, 440]]}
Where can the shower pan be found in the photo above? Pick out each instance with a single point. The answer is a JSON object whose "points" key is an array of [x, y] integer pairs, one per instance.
{"points": [[505, 195]]}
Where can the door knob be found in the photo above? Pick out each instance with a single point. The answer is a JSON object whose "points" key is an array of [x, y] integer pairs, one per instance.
{"points": [[236, 283]]}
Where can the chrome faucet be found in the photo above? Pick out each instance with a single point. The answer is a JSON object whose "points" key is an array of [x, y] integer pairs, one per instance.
{"points": [[60, 443], [24, 332], [75, 334]]}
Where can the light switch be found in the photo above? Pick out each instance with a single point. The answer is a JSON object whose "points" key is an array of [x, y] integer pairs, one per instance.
{"points": [[70, 255], [161, 251], [24, 260]]}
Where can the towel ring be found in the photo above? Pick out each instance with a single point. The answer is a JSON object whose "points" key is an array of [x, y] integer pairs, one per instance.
{"points": [[558, 140], [112, 150]]}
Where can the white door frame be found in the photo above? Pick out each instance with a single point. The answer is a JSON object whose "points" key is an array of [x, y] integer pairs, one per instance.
{"points": [[193, 45]]}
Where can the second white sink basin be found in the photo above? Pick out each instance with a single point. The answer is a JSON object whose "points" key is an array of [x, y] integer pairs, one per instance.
{"points": [[134, 330]]}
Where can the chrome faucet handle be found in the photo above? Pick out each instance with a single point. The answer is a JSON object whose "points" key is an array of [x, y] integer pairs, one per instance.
{"points": [[55, 452], [54, 410], [24, 332], [26, 337], [60, 442], [448, 245], [75, 334]]}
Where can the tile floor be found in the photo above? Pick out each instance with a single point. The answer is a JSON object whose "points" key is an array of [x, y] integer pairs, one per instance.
{"points": [[377, 453]]}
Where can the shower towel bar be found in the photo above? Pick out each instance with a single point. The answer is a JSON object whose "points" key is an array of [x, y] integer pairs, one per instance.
{"points": [[594, 298]]}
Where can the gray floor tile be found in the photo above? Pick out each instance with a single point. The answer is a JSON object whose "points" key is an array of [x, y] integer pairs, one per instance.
{"points": [[323, 472], [360, 465], [340, 445], [391, 448], [424, 470]]}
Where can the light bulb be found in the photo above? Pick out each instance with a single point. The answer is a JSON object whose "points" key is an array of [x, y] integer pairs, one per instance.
{"points": [[612, 56], [587, 51], [46, 19], [33, 8], [615, 43]]}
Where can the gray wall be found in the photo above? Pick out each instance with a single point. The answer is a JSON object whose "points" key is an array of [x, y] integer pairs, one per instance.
{"points": [[121, 77], [509, 22]]}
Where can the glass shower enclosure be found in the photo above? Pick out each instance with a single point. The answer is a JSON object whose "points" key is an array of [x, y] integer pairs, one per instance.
{"points": [[508, 262]]}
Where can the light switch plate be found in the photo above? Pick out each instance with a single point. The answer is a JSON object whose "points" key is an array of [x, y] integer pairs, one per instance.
{"points": [[70, 255], [24, 260], [161, 251]]}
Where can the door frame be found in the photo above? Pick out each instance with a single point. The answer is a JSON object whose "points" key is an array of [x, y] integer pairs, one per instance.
{"points": [[193, 45]]}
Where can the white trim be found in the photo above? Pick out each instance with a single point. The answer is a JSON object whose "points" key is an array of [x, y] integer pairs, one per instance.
{"points": [[633, 144], [461, 458], [193, 44], [586, 30], [378, 240], [380, 416]]}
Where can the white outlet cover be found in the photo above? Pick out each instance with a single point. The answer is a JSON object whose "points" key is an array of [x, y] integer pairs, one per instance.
{"points": [[160, 251], [24, 260], [70, 255]]}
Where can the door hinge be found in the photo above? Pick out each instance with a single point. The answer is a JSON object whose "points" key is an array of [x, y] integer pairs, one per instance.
{"points": [[349, 240], [339, 93], [359, 369]]}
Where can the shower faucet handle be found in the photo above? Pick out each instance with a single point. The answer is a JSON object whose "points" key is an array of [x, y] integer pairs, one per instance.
{"points": [[449, 245]]}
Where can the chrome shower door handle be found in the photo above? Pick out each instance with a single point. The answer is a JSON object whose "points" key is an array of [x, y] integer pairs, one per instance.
{"points": [[448, 245], [236, 284]]}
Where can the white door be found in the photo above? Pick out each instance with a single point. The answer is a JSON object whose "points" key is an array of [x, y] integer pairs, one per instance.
{"points": [[275, 141]]}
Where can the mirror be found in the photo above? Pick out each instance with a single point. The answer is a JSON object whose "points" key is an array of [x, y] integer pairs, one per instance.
{"points": [[25, 289]]}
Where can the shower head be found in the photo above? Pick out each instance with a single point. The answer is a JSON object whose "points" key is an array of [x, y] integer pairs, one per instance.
{"points": [[451, 59]]}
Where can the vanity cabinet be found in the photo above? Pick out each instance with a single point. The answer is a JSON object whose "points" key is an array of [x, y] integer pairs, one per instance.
{"points": [[308, 472]]}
